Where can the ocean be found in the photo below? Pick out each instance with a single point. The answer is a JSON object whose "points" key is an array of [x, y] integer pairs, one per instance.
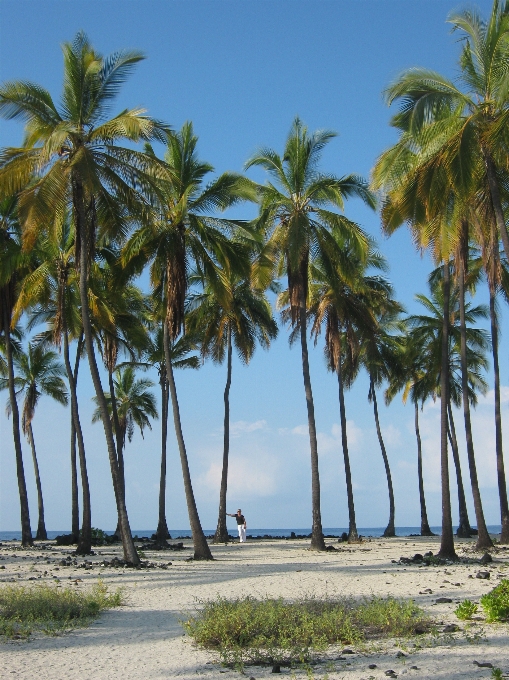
{"points": [[285, 533]]}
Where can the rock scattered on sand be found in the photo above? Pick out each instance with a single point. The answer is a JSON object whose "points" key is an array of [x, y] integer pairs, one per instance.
{"points": [[483, 574]]}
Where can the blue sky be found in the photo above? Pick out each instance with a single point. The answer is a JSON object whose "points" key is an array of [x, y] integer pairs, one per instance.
{"points": [[241, 71]]}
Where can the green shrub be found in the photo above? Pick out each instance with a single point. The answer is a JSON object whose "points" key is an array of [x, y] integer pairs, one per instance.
{"points": [[275, 631], [51, 609], [465, 610], [496, 602], [99, 537]]}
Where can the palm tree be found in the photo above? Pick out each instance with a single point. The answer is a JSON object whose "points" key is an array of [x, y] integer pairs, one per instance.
{"points": [[426, 332], [183, 233], [298, 214], [179, 352], [50, 291], [72, 155], [12, 259], [38, 373], [233, 313], [415, 382], [135, 404]]}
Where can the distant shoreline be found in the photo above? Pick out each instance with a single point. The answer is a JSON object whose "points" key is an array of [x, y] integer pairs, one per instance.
{"points": [[335, 532]]}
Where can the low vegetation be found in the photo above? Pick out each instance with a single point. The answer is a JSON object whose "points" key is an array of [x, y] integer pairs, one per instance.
{"points": [[465, 610], [51, 609], [273, 631], [496, 603]]}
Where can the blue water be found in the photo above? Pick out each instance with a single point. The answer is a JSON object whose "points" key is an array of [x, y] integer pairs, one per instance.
{"points": [[186, 533]]}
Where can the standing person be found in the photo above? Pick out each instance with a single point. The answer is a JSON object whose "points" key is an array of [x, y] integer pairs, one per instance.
{"points": [[241, 525]]}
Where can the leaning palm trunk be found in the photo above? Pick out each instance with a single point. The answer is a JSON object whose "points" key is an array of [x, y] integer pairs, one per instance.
{"points": [[352, 525], [120, 444], [447, 539], [201, 547], [464, 529], [221, 535], [41, 534], [85, 537], [390, 529], [425, 528], [317, 542], [502, 487], [483, 537], [26, 532], [162, 532], [130, 554]]}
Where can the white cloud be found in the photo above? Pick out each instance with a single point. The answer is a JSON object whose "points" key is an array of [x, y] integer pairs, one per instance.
{"points": [[240, 427], [489, 398], [300, 430], [391, 435], [246, 476]]}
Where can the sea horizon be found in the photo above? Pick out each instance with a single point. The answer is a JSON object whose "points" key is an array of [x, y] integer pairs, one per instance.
{"points": [[332, 532]]}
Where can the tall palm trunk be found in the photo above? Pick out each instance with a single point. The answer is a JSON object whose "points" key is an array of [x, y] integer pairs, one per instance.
{"points": [[162, 532], [41, 534], [390, 529], [75, 510], [130, 554], [352, 525], [447, 539], [483, 537], [201, 547], [502, 485], [464, 529], [120, 444], [221, 535], [425, 528], [317, 541], [85, 537], [26, 532]]}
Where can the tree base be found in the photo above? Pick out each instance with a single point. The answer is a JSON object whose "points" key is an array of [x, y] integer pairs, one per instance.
{"points": [[42, 534], [390, 532], [221, 538], [464, 532]]}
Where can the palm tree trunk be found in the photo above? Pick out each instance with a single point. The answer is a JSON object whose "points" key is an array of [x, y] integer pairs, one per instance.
{"points": [[425, 528], [120, 443], [483, 537], [162, 532], [447, 539], [130, 554], [464, 529], [221, 535], [85, 537], [26, 531], [353, 536], [75, 510], [390, 529], [496, 202], [502, 485], [201, 547], [41, 534], [317, 541]]}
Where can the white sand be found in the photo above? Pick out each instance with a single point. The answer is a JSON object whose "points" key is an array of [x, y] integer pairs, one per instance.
{"points": [[143, 640]]}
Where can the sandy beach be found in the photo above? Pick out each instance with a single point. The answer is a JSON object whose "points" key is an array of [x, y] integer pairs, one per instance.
{"points": [[143, 640]]}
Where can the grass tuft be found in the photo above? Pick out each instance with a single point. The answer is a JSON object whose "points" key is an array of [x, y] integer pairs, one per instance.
{"points": [[50, 609], [496, 603], [271, 631]]}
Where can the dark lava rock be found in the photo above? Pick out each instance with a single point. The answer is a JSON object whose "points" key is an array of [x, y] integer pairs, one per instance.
{"points": [[486, 558], [417, 557], [348, 651], [483, 574], [331, 548], [400, 655], [344, 537], [390, 673], [420, 629], [372, 666], [451, 628], [414, 668], [483, 664], [64, 539], [276, 669], [428, 554], [443, 600]]}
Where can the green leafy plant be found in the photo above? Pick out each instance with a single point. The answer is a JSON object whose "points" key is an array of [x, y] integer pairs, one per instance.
{"points": [[465, 610], [51, 609], [496, 673], [272, 631], [496, 602], [140, 553]]}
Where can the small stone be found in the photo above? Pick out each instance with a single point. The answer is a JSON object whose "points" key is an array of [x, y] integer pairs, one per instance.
{"points": [[483, 574], [451, 628], [390, 673], [400, 655], [414, 668], [419, 629], [348, 651], [372, 666], [443, 600]]}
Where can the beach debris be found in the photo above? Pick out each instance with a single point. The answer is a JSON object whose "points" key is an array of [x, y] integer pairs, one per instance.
{"points": [[483, 574], [483, 664], [443, 600]]}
